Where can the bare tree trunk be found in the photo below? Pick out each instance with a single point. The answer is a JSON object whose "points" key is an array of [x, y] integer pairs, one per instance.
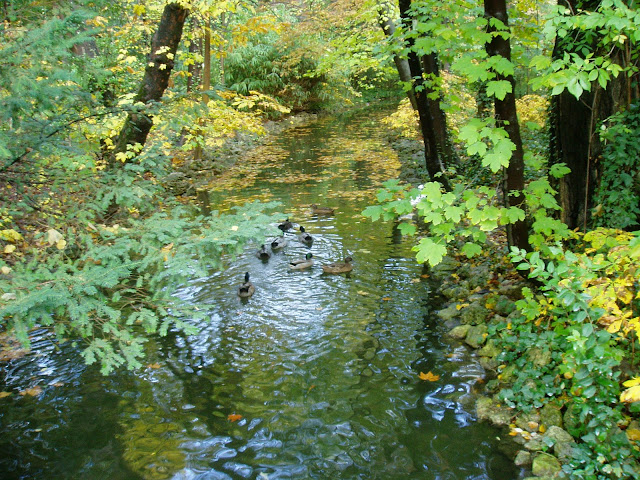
{"points": [[156, 79], [506, 117], [432, 151]]}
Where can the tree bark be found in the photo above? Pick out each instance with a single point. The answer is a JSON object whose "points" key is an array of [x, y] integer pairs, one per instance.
{"points": [[574, 140], [156, 79], [506, 117], [432, 149], [402, 65]]}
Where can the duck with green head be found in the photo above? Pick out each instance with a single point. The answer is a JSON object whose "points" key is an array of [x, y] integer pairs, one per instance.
{"points": [[302, 263]]}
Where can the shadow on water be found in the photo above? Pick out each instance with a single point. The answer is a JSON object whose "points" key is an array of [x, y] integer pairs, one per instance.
{"points": [[315, 376]]}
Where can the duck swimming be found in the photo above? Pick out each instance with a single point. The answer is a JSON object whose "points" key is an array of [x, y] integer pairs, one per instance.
{"points": [[246, 289], [279, 243], [302, 263], [286, 225], [322, 210], [304, 237], [263, 254], [339, 267]]}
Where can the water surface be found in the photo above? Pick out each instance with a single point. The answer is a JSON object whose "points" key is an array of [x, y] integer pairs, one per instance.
{"points": [[314, 377]]}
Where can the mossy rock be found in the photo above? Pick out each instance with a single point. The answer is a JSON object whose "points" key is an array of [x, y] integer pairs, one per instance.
{"points": [[491, 410], [539, 357], [449, 312], [504, 305], [459, 332], [474, 314], [550, 415], [490, 349], [476, 336], [545, 464], [523, 458]]}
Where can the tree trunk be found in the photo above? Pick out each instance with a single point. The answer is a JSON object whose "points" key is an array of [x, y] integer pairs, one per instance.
{"points": [[506, 117], [574, 139], [432, 149], [156, 79], [402, 65]]}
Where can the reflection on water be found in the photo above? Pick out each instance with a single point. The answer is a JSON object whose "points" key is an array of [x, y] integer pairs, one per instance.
{"points": [[315, 376]]}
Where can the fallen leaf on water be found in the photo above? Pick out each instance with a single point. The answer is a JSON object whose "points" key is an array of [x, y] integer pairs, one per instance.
{"points": [[363, 293], [430, 377], [234, 417], [153, 365], [386, 299], [33, 391], [426, 275], [5, 394]]}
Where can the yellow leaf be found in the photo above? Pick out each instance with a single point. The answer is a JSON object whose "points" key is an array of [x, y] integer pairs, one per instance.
{"points": [[234, 228], [633, 434], [33, 391], [154, 366], [430, 377], [53, 236], [386, 299], [139, 10], [460, 306], [632, 383], [542, 429], [363, 293], [9, 249], [10, 235], [61, 244], [234, 417], [5, 270], [121, 157], [615, 326], [166, 248], [631, 394], [4, 394]]}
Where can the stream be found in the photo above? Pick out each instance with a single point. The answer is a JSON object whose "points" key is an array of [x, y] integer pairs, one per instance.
{"points": [[316, 376]]}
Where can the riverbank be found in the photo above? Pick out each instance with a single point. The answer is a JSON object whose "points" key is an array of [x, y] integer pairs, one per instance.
{"points": [[553, 382]]}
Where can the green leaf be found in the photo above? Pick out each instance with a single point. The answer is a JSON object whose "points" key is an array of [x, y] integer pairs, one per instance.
{"points": [[499, 89], [471, 249], [429, 251]]}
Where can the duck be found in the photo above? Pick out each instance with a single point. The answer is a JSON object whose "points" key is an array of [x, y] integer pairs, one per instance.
{"points": [[302, 263], [279, 243], [322, 210], [246, 289], [339, 267], [263, 253], [304, 237], [286, 225]]}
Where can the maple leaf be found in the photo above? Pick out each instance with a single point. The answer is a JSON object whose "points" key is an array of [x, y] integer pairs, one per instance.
{"points": [[234, 417], [430, 377]]}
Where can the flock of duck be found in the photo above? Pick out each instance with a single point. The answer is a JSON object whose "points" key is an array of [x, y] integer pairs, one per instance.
{"points": [[246, 289]]}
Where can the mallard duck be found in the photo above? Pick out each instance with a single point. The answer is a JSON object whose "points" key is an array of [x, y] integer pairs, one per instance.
{"points": [[304, 237], [302, 263], [246, 289], [279, 243], [322, 210], [263, 253], [286, 225], [339, 267]]}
